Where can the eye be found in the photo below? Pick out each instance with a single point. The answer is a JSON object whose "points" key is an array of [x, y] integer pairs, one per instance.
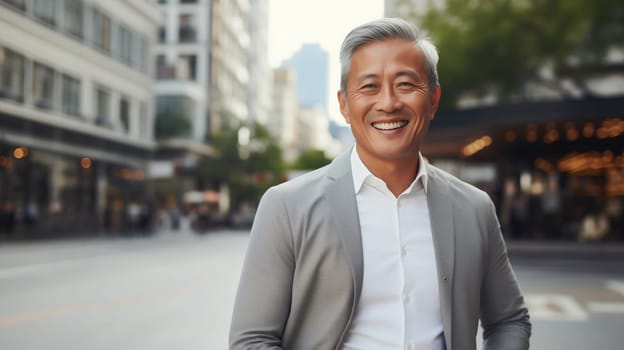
{"points": [[405, 84]]}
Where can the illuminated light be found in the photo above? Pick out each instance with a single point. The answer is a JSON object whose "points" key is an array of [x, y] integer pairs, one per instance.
{"points": [[543, 164], [487, 140], [19, 153], [572, 134], [607, 156], [510, 136], [602, 133], [85, 163], [588, 130], [551, 136], [532, 136]]}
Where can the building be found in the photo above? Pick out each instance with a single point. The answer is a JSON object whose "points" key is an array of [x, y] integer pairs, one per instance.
{"points": [[76, 112], [283, 121], [260, 73], [311, 64], [229, 64]]}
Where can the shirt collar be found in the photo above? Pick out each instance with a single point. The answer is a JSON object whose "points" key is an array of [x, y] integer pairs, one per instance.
{"points": [[360, 173]]}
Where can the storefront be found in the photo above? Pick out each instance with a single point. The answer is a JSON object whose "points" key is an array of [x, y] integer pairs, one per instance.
{"points": [[55, 182], [554, 169]]}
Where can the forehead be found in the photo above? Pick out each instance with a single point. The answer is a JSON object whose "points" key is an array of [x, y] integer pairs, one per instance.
{"points": [[386, 55]]}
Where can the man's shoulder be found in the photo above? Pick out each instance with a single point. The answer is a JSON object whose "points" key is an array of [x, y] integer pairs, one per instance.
{"points": [[457, 188], [310, 182]]}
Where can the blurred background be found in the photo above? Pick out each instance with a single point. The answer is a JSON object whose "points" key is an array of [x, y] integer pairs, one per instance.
{"points": [[149, 129]]}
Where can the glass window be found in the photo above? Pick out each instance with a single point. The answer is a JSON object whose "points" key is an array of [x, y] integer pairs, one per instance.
{"points": [[124, 114], [145, 54], [188, 29], [11, 75], [162, 34], [125, 45], [185, 68], [18, 4], [45, 10], [43, 86], [71, 95], [143, 121], [101, 31], [72, 20], [188, 1], [102, 100]]}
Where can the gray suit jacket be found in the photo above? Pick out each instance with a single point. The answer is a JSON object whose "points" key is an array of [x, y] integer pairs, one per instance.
{"points": [[302, 276]]}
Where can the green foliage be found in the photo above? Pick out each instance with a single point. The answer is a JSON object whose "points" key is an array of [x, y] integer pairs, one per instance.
{"points": [[168, 126], [248, 171], [311, 159], [497, 46]]}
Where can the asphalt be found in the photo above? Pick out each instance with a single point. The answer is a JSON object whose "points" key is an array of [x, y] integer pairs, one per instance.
{"points": [[534, 249]]}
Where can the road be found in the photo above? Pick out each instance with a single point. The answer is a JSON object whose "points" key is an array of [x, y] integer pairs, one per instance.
{"points": [[175, 291]]}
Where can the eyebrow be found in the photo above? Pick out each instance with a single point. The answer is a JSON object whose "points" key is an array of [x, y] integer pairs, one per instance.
{"points": [[408, 73]]}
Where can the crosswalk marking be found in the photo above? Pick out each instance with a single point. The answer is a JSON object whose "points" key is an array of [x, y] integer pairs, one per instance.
{"points": [[557, 307], [616, 286], [600, 307]]}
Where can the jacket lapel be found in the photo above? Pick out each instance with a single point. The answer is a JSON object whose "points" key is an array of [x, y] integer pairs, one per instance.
{"points": [[442, 227], [344, 218]]}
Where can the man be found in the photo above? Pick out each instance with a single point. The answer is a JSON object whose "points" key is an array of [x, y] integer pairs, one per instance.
{"points": [[379, 250]]}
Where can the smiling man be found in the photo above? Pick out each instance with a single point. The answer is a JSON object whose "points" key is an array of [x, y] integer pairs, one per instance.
{"points": [[379, 250]]}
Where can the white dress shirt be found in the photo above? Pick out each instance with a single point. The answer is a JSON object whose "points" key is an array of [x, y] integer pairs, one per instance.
{"points": [[399, 306]]}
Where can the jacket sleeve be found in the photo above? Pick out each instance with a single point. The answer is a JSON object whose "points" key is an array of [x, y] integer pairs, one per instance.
{"points": [[504, 316], [263, 298]]}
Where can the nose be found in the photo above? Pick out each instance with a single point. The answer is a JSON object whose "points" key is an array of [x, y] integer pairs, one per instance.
{"points": [[388, 101]]}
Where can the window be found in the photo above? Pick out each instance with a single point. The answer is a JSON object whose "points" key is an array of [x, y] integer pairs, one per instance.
{"points": [[185, 68], [102, 100], [144, 130], [125, 45], [71, 95], [124, 114], [162, 34], [188, 29], [11, 75], [188, 1], [163, 70], [18, 4], [72, 20], [101, 31], [45, 10], [43, 86]]}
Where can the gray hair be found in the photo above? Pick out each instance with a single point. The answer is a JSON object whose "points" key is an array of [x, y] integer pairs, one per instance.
{"points": [[382, 29]]}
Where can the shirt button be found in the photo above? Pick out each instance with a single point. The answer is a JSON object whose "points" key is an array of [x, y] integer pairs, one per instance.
{"points": [[403, 251], [407, 299], [410, 347]]}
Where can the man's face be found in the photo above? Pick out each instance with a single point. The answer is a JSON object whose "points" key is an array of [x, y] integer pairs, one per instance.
{"points": [[388, 103]]}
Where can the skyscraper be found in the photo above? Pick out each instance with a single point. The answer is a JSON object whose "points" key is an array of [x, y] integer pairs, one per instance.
{"points": [[311, 64]]}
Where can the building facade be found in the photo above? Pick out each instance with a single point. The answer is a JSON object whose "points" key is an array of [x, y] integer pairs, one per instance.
{"points": [[283, 121], [311, 63], [76, 112]]}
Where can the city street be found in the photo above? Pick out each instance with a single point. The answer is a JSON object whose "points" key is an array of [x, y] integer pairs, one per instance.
{"points": [[175, 291]]}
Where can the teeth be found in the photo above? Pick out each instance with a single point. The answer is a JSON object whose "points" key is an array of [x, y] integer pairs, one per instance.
{"points": [[389, 126]]}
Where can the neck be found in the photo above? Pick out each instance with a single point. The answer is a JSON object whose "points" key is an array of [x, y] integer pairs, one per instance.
{"points": [[397, 174]]}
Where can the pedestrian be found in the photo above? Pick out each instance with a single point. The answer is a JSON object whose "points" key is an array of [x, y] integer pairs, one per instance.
{"points": [[379, 250]]}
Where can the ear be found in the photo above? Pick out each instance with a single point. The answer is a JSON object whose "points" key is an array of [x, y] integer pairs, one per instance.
{"points": [[435, 101], [344, 106]]}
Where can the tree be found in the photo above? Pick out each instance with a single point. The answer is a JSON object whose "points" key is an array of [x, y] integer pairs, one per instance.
{"points": [[498, 46], [248, 170], [311, 159]]}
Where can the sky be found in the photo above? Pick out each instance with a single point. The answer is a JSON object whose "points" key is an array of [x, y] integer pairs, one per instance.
{"points": [[293, 23]]}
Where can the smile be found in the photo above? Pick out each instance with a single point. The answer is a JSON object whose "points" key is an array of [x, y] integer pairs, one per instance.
{"points": [[389, 125]]}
